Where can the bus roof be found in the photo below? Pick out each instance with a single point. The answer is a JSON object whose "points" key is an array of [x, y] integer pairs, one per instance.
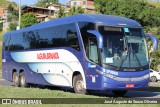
{"points": [[94, 18]]}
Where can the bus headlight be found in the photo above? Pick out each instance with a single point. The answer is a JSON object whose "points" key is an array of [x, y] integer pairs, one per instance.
{"points": [[105, 74], [146, 76], [109, 76]]}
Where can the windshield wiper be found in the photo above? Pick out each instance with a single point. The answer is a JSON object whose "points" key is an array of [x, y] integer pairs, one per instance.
{"points": [[137, 58], [122, 61]]}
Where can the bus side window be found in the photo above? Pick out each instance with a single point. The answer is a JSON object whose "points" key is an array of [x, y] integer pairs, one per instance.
{"points": [[92, 51], [72, 40], [69, 36], [5, 42]]}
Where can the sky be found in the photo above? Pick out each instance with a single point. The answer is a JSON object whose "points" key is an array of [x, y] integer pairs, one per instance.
{"points": [[32, 2]]}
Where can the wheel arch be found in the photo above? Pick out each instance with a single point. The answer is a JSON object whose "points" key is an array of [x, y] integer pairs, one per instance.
{"points": [[13, 71], [75, 73]]}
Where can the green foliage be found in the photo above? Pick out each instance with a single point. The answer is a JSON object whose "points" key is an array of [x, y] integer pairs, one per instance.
{"points": [[61, 12], [13, 26], [28, 19], [75, 10], [0, 58], [42, 3], [5, 3], [10, 8], [155, 55], [72, 11], [12, 17], [139, 10], [1, 26], [1, 35]]}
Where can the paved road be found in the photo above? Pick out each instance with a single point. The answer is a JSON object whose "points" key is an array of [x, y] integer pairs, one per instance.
{"points": [[130, 94], [4, 82]]}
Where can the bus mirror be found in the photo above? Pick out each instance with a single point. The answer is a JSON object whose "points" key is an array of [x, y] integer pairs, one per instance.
{"points": [[154, 39], [98, 36]]}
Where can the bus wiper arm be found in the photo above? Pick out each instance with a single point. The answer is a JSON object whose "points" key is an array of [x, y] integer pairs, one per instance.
{"points": [[137, 58], [122, 61]]}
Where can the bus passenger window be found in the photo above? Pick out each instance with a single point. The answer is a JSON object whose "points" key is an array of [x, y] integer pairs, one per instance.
{"points": [[72, 40]]}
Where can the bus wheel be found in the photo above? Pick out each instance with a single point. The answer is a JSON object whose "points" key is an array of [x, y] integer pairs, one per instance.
{"points": [[78, 84], [119, 93], [16, 79], [23, 80], [153, 79]]}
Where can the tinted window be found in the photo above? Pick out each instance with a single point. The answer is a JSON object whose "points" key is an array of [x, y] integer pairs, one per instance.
{"points": [[84, 26], [59, 36], [5, 42], [16, 42], [89, 41]]}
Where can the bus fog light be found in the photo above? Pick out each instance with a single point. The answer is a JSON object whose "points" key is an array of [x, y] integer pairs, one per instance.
{"points": [[105, 84]]}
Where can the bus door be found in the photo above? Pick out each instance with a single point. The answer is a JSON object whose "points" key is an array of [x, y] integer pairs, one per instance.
{"points": [[92, 54]]}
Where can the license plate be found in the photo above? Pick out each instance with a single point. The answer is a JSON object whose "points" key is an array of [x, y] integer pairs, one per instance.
{"points": [[129, 85]]}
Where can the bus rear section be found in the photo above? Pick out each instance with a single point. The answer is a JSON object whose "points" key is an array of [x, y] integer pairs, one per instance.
{"points": [[55, 59]]}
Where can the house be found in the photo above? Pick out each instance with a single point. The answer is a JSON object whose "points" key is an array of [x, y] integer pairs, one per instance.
{"points": [[3, 18], [88, 5], [56, 8], [3, 14], [41, 13]]}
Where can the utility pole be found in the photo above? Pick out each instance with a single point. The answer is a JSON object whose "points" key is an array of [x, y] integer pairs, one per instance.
{"points": [[19, 21]]}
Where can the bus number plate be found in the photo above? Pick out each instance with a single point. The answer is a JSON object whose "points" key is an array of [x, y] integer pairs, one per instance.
{"points": [[129, 85]]}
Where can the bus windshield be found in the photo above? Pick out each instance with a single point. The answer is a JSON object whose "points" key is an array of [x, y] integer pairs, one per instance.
{"points": [[124, 47]]}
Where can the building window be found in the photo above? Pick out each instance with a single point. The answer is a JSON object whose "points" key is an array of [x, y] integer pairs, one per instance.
{"points": [[74, 3]]}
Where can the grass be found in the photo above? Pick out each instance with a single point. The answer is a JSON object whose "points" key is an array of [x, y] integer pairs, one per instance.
{"points": [[0, 58], [16, 92], [0, 75], [1, 35]]}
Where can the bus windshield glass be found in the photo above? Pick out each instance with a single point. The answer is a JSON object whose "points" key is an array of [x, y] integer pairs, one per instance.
{"points": [[124, 47]]}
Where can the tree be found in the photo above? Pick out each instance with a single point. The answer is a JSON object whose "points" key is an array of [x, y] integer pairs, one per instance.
{"points": [[155, 55], [139, 10], [10, 8], [42, 3], [13, 26], [61, 12], [1, 26], [76, 10], [28, 19]]}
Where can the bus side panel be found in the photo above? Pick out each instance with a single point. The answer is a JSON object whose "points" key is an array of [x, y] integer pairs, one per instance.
{"points": [[42, 71], [6, 66]]}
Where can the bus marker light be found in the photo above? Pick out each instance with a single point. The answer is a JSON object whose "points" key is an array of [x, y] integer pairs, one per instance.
{"points": [[105, 84], [129, 85]]}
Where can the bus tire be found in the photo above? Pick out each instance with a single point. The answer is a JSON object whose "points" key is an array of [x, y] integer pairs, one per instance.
{"points": [[153, 79], [78, 85], [23, 80], [16, 79], [119, 93]]}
